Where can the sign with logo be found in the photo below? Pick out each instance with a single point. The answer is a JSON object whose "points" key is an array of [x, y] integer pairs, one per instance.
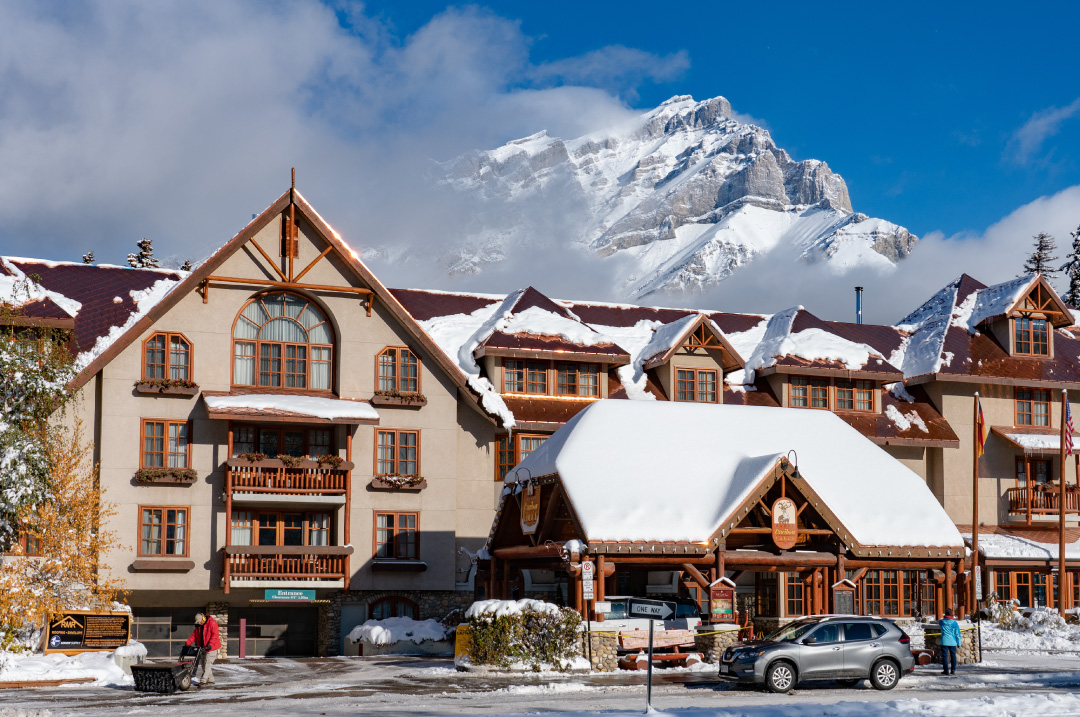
{"points": [[530, 509], [785, 533], [722, 603], [655, 609], [283, 595], [85, 630]]}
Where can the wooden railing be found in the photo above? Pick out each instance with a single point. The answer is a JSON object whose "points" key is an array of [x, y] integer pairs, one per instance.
{"points": [[1043, 502], [304, 479], [275, 562]]}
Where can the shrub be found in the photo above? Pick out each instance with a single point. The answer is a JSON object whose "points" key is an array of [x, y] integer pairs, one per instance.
{"points": [[536, 635]]}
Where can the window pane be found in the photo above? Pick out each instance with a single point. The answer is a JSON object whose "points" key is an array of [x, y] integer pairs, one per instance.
{"points": [[178, 445], [155, 357], [588, 379], [270, 365], [684, 385], [514, 377], [318, 442], [798, 393], [244, 364], [410, 372], [243, 440], [178, 359], [241, 527], [388, 370], [706, 381], [386, 450], [294, 443], [268, 442], [154, 445], [537, 378], [567, 379]]}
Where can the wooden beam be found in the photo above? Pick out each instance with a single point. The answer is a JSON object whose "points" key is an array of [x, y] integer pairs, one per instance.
{"points": [[308, 268], [269, 260], [696, 575], [525, 552], [289, 285], [760, 557]]}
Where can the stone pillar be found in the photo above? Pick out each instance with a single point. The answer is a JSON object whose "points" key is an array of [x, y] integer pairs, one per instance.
{"points": [[712, 640], [966, 654], [600, 648], [220, 612], [324, 640]]}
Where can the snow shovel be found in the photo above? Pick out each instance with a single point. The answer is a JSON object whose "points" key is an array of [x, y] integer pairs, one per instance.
{"points": [[166, 679]]}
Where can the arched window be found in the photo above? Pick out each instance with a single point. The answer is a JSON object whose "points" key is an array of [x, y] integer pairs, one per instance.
{"points": [[393, 606], [167, 356], [282, 340], [399, 370]]}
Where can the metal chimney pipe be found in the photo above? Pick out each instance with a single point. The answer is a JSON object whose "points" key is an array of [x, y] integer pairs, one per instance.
{"points": [[858, 304]]}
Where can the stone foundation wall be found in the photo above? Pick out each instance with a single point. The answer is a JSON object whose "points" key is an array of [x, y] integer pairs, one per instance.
{"points": [[432, 604], [966, 654], [220, 612], [711, 642], [600, 649]]}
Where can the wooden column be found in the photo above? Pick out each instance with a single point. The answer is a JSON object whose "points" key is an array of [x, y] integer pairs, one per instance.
{"points": [[975, 500], [939, 600], [1061, 509], [600, 580], [579, 602], [228, 514], [348, 505], [949, 580], [492, 577]]}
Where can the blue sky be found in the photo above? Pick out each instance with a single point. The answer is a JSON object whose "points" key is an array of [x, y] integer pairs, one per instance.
{"points": [[178, 121], [921, 107]]}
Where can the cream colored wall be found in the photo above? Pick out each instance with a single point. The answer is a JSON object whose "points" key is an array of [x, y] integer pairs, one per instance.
{"points": [[685, 358], [454, 458], [914, 457]]}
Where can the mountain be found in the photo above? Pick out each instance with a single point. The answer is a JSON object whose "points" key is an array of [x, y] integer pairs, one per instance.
{"points": [[685, 194]]}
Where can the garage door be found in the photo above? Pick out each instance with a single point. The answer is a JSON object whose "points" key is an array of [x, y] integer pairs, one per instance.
{"points": [[275, 631]]}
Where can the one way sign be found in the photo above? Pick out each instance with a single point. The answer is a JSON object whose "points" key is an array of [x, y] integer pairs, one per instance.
{"points": [[655, 609]]}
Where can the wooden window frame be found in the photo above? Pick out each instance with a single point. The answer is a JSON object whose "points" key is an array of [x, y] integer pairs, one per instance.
{"points": [[505, 447], [1028, 335], [794, 605], [398, 364], [167, 366], [541, 369], [1035, 395], [258, 344], [279, 524], [280, 430], [717, 386], [375, 534], [393, 600], [575, 369], [26, 541], [397, 444], [163, 540], [164, 441], [876, 605], [856, 387], [1028, 463], [511, 367]]}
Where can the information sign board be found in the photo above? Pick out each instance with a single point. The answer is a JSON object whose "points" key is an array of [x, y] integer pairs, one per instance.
{"points": [[722, 604], [785, 532], [285, 595], [85, 630]]}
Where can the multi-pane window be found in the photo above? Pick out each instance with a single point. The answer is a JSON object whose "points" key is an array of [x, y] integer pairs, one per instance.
{"points": [[795, 589], [854, 395], [297, 442], [528, 444], [695, 385], [243, 525], [167, 356], [275, 528], [1003, 585], [1032, 407], [163, 531], [399, 370], [577, 379], [29, 542], [881, 589], [513, 376], [393, 606], [396, 536], [536, 373], [505, 459], [1037, 470], [798, 392], [282, 340], [1031, 337], [819, 393], [398, 453], [165, 444]]}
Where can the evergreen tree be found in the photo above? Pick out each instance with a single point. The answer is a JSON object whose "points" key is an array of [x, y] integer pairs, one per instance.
{"points": [[1072, 271], [145, 258], [88, 258], [186, 266], [1041, 261]]}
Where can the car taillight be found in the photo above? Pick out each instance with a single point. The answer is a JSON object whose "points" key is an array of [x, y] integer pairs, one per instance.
{"points": [[904, 638]]}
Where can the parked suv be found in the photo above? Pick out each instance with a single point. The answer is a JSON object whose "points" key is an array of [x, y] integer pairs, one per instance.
{"points": [[848, 648]]}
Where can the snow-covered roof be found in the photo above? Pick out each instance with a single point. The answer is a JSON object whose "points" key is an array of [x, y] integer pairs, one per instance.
{"points": [[1000, 545], [666, 471], [327, 408]]}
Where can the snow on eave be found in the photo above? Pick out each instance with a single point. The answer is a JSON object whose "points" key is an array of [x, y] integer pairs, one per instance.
{"points": [[34, 291], [328, 408], [145, 300], [539, 322]]}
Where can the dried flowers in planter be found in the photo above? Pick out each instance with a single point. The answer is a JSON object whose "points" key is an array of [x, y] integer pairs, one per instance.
{"points": [[252, 457], [400, 481], [403, 396], [329, 460], [163, 383], [289, 461], [166, 475]]}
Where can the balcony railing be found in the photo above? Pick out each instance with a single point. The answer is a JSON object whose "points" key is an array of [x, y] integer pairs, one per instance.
{"points": [[1025, 501], [271, 476], [292, 563]]}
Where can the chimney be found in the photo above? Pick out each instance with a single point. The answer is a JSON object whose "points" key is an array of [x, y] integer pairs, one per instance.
{"points": [[858, 304]]}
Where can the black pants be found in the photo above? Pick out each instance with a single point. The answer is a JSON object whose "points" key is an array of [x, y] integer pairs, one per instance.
{"points": [[948, 656]]}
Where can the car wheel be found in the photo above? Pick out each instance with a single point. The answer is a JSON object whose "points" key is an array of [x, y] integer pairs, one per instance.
{"points": [[780, 677], [884, 675]]}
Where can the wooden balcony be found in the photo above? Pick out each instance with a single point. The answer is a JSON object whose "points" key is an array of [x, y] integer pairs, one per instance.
{"points": [[273, 477], [286, 566], [1027, 503]]}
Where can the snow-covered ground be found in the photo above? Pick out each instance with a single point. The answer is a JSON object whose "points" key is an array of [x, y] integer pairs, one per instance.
{"points": [[97, 665]]}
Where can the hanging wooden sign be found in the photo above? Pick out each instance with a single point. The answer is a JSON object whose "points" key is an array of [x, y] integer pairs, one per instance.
{"points": [[785, 533], [530, 509], [721, 603]]}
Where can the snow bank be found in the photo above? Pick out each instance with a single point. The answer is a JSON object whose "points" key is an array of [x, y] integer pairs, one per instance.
{"points": [[328, 408], [398, 629], [501, 608], [33, 667], [1042, 629]]}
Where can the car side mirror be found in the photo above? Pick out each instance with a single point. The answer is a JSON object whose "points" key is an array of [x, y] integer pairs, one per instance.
{"points": [[810, 640]]}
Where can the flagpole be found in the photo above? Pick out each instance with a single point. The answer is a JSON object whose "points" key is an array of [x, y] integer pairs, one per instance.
{"points": [[1061, 510], [975, 504]]}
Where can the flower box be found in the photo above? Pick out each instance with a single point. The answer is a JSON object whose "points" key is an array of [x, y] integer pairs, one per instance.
{"points": [[399, 483], [165, 387], [166, 476], [394, 398], [276, 463]]}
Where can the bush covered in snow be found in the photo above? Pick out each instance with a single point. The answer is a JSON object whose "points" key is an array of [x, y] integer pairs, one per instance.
{"points": [[534, 633], [398, 629]]}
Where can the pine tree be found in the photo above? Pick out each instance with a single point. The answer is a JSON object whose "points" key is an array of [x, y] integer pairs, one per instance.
{"points": [[1072, 271], [1041, 261], [145, 258], [186, 266], [88, 258]]}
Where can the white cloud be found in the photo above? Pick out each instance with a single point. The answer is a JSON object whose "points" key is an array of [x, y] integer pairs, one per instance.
{"points": [[1028, 140]]}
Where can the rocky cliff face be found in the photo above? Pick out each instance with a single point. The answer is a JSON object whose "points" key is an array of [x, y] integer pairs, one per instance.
{"points": [[686, 193]]}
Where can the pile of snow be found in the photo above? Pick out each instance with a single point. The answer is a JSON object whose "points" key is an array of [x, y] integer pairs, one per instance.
{"points": [[328, 408], [28, 667], [501, 608], [808, 344], [1036, 630], [398, 629], [998, 545]]}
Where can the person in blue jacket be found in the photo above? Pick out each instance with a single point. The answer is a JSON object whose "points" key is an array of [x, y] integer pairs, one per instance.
{"points": [[950, 640]]}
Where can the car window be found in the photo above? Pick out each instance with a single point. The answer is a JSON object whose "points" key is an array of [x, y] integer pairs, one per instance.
{"points": [[792, 631], [855, 631], [879, 629], [827, 633]]}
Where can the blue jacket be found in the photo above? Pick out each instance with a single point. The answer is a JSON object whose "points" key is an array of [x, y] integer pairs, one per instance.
{"points": [[950, 632]]}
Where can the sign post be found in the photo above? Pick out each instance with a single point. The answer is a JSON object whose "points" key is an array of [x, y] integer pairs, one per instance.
{"points": [[648, 679], [588, 570]]}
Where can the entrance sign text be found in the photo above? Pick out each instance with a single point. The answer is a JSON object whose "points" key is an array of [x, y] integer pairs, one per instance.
{"points": [[722, 604], [530, 509]]}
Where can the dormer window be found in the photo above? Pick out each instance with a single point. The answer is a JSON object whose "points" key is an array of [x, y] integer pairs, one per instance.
{"points": [[1031, 337]]}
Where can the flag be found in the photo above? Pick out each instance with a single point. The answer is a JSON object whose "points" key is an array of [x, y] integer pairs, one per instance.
{"points": [[980, 429], [1068, 429]]}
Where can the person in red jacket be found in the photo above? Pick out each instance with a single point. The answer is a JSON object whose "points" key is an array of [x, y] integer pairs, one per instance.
{"points": [[207, 636]]}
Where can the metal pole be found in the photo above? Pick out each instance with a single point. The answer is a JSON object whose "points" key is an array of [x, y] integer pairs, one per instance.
{"points": [[975, 508], [648, 680], [1061, 514]]}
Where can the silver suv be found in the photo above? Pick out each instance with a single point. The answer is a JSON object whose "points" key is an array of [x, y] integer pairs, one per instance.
{"points": [[848, 648]]}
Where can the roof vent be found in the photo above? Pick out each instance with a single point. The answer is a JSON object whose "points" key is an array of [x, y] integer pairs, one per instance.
{"points": [[858, 304]]}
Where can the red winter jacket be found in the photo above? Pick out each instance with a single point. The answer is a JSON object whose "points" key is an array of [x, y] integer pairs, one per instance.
{"points": [[206, 635]]}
